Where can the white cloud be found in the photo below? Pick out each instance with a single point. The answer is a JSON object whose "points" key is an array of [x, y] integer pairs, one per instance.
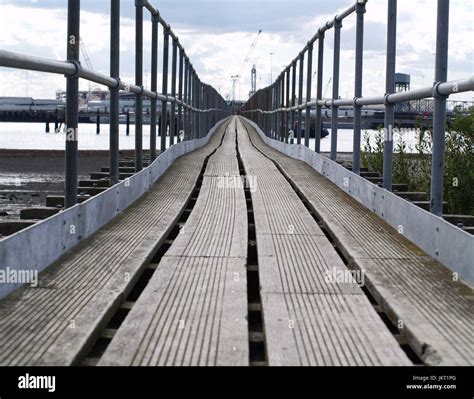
{"points": [[217, 55]]}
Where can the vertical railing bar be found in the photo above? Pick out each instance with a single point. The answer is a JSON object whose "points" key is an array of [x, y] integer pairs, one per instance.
{"points": [[164, 89], [114, 92], [309, 72], [199, 102], [273, 128], [359, 57], [439, 116], [335, 86], [195, 105], [300, 96], [154, 84], [293, 98], [139, 83], [72, 104], [270, 99], [282, 104], [287, 104], [174, 61], [319, 92], [389, 88], [186, 99], [180, 94]]}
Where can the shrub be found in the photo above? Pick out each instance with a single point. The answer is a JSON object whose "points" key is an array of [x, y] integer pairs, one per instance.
{"points": [[459, 164], [415, 169]]}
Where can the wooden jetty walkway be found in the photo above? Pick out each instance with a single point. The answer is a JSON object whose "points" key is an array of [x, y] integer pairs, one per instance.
{"points": [[240, 255]]}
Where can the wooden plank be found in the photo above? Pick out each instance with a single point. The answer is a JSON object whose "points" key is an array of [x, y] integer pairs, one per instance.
{"points": [[193, 311], [418, 293], [57, 323], [311, 316]]}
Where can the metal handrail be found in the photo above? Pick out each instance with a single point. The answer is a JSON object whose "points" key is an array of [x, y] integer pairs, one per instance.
{"points": [[274, 108], [200, 106]]}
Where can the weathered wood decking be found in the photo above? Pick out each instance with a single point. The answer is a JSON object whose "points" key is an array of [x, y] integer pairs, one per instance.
{"points": [[56, 323], [309, 319], [194, 309], [434, 312]]}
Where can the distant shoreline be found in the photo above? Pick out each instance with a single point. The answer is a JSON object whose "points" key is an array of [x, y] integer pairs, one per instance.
{"points": [[55, 153]]}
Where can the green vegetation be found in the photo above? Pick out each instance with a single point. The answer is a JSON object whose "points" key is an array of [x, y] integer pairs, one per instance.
{"points": [[413, 165], [459, 164]]}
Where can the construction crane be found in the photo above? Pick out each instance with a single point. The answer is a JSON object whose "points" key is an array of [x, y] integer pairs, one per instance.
{"points": [[327, 85], [87, 59], [327, 88], [253, 81], [236, 78]]}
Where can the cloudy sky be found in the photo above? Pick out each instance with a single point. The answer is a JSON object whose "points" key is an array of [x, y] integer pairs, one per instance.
{"points": [[217, 35]]}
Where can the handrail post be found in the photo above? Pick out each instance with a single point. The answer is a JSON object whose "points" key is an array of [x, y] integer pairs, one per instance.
{"points": [[164, 89], [190, 102], [195, 102], [300, 96], [72, 112], [319, 92], [204, 106], [293, 98], [215, 105], [186, 100], [198, 106], [180, 93], [269, 101], [273, 127], [281, 99], [154, 84], [309, 72], [439, 116], [194, 124], [277, 105], [114, 92], [265, 116], [139, 82], [173, 91], [335, 86], [390, 88], [359, 57], [287, 104]]}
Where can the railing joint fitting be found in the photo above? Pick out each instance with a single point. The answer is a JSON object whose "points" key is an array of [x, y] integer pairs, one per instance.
{"points": [[139, 3], [360, 6], [77, 73], [118, 83], [435, 91], [155, 17]]}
